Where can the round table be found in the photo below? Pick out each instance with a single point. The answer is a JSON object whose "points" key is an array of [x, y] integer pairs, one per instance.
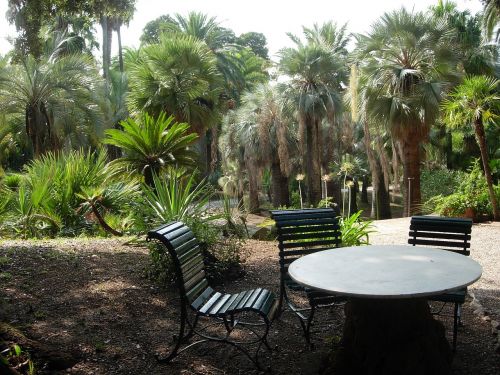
{"points": [[389, 328]]}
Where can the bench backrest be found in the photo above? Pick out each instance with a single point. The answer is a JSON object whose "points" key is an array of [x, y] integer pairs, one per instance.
{"points": [[446, 233], [305, 231], [187, 257]]}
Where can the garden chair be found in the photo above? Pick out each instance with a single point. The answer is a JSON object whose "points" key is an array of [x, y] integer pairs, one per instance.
{"points": [[206, 304], [302, 232], [452, 234]]}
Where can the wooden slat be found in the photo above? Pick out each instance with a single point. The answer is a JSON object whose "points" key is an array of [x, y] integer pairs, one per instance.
{"points": [[260, 300], [295, 223], [238, 299], [211, 302], [305, 236], [181, 240], [438, 243], [225, 308], [202, 298], [249, 303], [327, 228], [193, 281], [175, 233], [164, 229], [303, 216], [443, 235], [198, 289], [181, 249], [189, 255], [244, 300], [221, 301], [293, 245]]}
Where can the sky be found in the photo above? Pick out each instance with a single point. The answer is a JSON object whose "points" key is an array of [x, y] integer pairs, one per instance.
{"points": [[272, 18]]}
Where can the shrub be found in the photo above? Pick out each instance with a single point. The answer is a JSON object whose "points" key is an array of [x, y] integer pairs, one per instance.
{"points": [[180, 198], [471, 193], [438, 183]]}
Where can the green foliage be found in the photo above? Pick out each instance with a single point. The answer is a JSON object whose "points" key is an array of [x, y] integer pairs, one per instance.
{"points": [[472, 193], [177, 198], [151, 145], [438, 182], [59, 192], [355, 231]]}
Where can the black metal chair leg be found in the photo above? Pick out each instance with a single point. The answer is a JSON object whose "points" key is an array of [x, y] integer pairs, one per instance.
{"points": [[455, 326]]}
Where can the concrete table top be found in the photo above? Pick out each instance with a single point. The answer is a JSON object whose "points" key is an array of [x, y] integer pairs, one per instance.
{"points": [[385, 271]]}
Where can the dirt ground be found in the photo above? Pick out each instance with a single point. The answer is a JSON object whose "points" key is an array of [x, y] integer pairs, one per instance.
{"points": [[89, 299]]}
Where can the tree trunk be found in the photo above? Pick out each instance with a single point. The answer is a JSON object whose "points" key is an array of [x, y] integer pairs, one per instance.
{"points": [[120, 49], [279, 184], [381, 207], [253, 191], [411, 176], [364, 189], [481, 140], [313, 161], [396, 187], [107, 38]]}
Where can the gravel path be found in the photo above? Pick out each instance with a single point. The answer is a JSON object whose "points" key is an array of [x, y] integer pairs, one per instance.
{"points": [[485, 249]]}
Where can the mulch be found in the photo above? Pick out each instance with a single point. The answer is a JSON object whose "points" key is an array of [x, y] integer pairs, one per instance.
{"points": [[89, 307]]}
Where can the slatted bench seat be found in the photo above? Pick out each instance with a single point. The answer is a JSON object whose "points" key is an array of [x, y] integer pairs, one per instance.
{"points": [[204, 302], [452, 234], [302, 232]]}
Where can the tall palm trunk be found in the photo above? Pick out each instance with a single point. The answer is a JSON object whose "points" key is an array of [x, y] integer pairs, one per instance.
{"points": [[38, 128], [279, 186], [481, 140], [411, 175], [313, 161], [381, 207], [107, 38], [253, 186], [120, 49]]}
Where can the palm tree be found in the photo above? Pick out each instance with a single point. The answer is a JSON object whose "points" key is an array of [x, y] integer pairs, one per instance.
{"points": [[53, 93], [407, 63], [316, 72], [177, 76], [152, 145], [275, 139], [491, 17], [475, 102]]}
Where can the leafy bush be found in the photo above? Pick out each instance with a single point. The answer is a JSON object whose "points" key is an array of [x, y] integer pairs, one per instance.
{"points": [[180, 198], [67, 194], [472, 193], [12, 180]]}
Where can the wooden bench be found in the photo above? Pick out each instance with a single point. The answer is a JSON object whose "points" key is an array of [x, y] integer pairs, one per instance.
{"points": [[207, 304]]}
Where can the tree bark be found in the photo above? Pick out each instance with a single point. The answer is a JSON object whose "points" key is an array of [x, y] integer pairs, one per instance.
{"points": [[120, 49], [364, 189], [107, 38], [253, 192], [411, 175], [381, 207], [313, 161], [279, 185], [481, 140]]}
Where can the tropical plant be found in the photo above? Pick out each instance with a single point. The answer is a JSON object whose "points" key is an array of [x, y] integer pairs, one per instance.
{"points": [[267, 132], [471, 194], [355, 231], [177, 76], [475, 103], [316, 71], [53, 93], [152, 144], [406, 64], [491, 17], [177, 198]]}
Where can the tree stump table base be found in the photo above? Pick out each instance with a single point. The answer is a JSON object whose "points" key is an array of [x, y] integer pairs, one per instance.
{"points": [[391, 337]]}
